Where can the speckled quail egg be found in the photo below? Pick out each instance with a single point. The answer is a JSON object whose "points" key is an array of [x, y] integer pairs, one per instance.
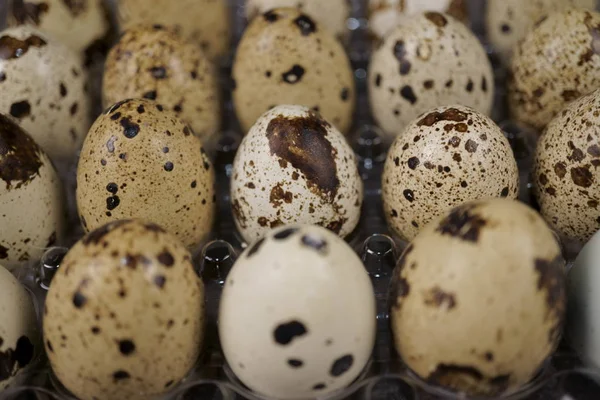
{"points": [[556, 63], [141, 161], [566, 178], [445, 157], [294, 166], [124, 314], [43, 86], [286, 57], [431, 61], [153, 63], [479, 297], [384, 15], [31, 206], [204, 22], [331, 14], [307, 327], [19, 335]]}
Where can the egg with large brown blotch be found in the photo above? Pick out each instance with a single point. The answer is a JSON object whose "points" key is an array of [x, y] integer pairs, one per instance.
{"points": [[479, 298], [124, 314], [294, 167], [140, 160], [287, 57], [445, 157]]}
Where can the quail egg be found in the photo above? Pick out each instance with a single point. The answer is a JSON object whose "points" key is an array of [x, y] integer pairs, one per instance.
{"points": [[153, 63], [31, 206], [140, 161], [286, 57], [307, 327], [124, 314], [479, 298], [43, 86], [446, 157], [555, 64], [431, 61], [294, 166]]}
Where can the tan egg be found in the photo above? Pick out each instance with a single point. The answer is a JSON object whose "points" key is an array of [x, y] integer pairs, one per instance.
{"points": [[83, 25], [509, 21], [153, 63], [140, 161], [44, 89], [285, 57], [331, 14], [124, 314], [19, 334], [556, 63], [566, 177], [204, 22], [479, 298], [446, 157], [307, 327], [385, 15], [31, 204], [434, 60], [294, 167]]}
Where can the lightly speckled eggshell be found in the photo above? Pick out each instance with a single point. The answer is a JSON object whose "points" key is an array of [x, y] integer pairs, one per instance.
{"points": [[307, 327], [124, 314], [141, 161], [446, 157], [431, 61], [286, 57], [204, 22], [294, 166], [31, 206], [331, 14], [565, 174], [153, 63], [479, 298], [43, 86], [556, 63], [509, 21], [19, 335]]}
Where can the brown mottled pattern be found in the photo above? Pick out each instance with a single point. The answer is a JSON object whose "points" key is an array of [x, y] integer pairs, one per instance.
{"points": [[19, 155], [11, 47]]}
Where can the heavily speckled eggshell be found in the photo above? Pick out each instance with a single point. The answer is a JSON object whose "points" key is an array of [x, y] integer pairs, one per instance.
{"points": [[556, 63], [43, 87], [286, 57], [294, 166], [19, 335], [31, 206], [433, 60], [479, 297], [153, 63], [566, 177], [124, 314], [446, 157], [204, 22], [141, 161], [307, 327], [331, 14]]}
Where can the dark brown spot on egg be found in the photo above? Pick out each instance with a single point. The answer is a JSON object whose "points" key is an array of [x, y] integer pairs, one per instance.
{"points": [[378, 80], [278, 196], [582, 176], [295, 363], [436, 297], [98, 234], [551, 280], [3, 252], [407, 93], [576, 153], [319, 386], [345, 94], [20, 156], [413, 162], [79, 300], [560, 169], [166, 258], [594, 150], [120, 375], [462, 223], [63, 89], [437, 18], [314, 242], [11, 47], [25, 12], [20, 109], [504, 192], [409, 195], [451, 114], [2, 76], [470, 85], [454, 141], [286, 332], [471, 146], [73, 109], [285, 233], [270, 16], [255, 247], [484, 86], [293, 75], [112, 202], [341, 365], [13, 359], [570, 95], [130, 129], [158, 72], [126, 347], [306, 25], [400, 54], [168, 166], [505, 28], [159, 281], [141, 109], [151, 95], [428, 84]]}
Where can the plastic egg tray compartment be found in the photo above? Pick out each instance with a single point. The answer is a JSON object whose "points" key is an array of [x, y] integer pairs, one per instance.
{"points": [[385, 377]]}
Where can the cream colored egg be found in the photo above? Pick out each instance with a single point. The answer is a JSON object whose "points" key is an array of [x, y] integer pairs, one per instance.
{"points": [[479, 298], [31, 203], [294, 167], [433, 60], [307, 327], [140, 161], [43, 86], [154, 63], [124, 314], [555, 64], [446, 157], [286, 57]]}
